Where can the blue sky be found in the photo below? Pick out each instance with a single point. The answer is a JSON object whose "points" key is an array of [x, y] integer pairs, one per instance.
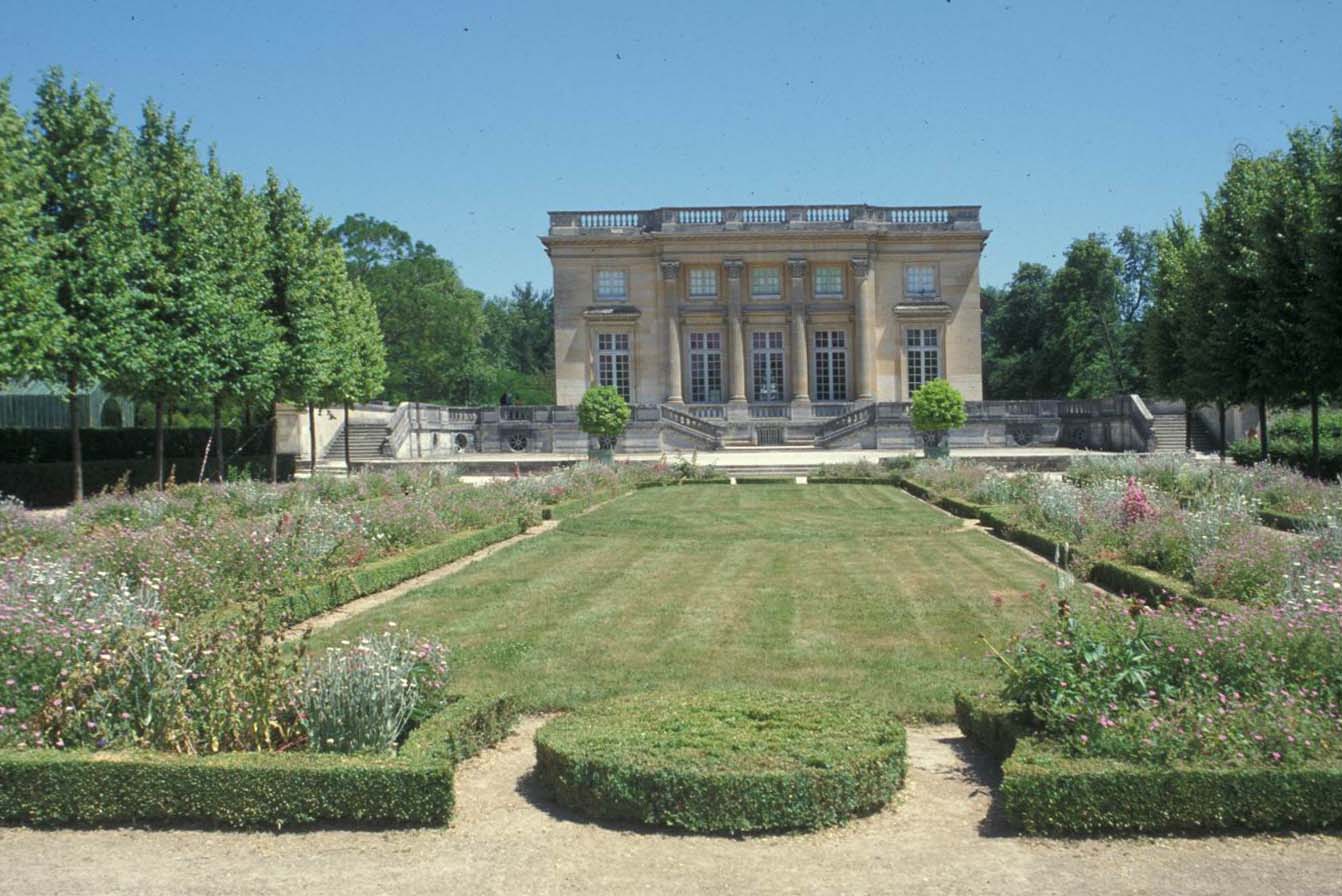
{"points": [[465, 122]]}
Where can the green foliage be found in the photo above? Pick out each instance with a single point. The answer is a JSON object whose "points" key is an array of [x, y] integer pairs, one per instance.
{"points": [[1087, 291], [938, 406], [1046, 793], [31, 320], [603, 413], [243, 790], [1021, 357], [723, 761], [991, 723], [460, 730]]}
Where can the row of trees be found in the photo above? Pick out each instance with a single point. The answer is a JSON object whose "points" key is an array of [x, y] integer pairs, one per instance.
{"points": [[1077, 331], [128, 260], [446, 342], [1248, 305]]}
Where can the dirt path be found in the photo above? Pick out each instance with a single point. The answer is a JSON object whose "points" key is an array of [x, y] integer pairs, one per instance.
{"points": [[368, 602], [941, 836]]}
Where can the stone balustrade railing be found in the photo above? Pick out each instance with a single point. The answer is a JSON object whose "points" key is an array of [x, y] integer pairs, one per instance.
{"points": [[768, 217]]}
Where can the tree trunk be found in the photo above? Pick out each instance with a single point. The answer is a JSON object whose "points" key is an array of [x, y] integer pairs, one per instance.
{"points": [[76, 451], [219, 440], [1188, 428], [274, 445], [419, 450], [312, 434], [347, 464], [1262, 427], [1221, 415], [1314, 433], [247, 418], [158, 443]]}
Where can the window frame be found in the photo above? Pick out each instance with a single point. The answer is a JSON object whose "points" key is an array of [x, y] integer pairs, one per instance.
{"points": [[815, 281], [705, 360], [621, 348], [935, 269], [597, 287], [771, 359], [702, 296], [829, 365], [922, 350], [777, 271]]}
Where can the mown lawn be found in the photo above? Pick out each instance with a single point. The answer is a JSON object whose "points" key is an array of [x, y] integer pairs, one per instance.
{"points": [[835, 588]]}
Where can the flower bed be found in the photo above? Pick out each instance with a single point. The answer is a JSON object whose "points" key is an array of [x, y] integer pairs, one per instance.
{"points": [[1135, 536], [274, 790], [1120, 717], [728, 762]]}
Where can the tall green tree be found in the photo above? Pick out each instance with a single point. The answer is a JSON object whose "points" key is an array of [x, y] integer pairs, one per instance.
{"points": [[363, 369], [246, 342], [298, 301], [1021, 357], [32, 324], [91, 217], [432, 324], [1287, 362], [181, 305], [1086, 291], [1323, 314]]}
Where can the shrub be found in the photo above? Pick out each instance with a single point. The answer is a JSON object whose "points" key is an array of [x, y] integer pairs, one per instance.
{"points": [[734, 761], [1250, 564], [603, 413], [461, 729], [938, 406], [362, 697]]}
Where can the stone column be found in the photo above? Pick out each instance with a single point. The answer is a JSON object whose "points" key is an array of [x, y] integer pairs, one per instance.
{"points": [[736, 381], [801, 360], [864, 323], [671, 311]]}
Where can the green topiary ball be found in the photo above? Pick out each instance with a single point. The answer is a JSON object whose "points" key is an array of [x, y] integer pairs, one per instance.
{"points": [[603, 413], [723, 762], [937, 407]]}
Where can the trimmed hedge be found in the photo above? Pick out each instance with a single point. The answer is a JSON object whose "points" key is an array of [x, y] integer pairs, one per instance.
{"points": [[27, 446], [991, 723], [379, 575], [251, 790], [461, 729], [255, 790], [723, 762], [1138, 581], [1044, 792], [1287, 522]]}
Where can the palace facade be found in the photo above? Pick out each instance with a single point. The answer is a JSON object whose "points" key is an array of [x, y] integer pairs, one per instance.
{"points": [[776, 311]]}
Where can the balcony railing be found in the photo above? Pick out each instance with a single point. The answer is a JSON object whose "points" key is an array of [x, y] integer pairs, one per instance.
{"points": [[768, 217]]}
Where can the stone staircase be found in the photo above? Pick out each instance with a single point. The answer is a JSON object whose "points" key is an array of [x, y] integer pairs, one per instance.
{"points": [[1171, 434], [365, 443]]}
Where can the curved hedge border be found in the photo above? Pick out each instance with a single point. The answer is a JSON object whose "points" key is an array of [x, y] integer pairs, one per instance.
{"points": [[723, 762], [254, 790], [1045, 792]]}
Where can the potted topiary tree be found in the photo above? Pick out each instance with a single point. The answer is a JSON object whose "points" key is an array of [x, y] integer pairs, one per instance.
{"points": [[938, 407], [603, 413]]}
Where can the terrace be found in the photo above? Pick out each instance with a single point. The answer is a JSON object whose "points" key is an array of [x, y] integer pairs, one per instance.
{"points": [[879, 218]]}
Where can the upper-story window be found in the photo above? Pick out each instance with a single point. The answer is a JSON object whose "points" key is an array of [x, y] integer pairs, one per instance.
{"points": [[829, 281], [920, 281], [612, 286], [703, 283], [766, 282]]}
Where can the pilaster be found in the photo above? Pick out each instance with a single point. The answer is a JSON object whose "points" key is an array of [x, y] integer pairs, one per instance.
{"points": [[736, 381], [671, 315], [801, 379], [864, 323]]}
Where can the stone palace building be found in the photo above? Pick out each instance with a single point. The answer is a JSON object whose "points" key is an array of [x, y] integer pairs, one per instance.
{"points": [[763, 312]]}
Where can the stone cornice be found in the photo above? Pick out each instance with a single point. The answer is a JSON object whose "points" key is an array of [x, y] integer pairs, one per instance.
{"points": [[923, 311]]}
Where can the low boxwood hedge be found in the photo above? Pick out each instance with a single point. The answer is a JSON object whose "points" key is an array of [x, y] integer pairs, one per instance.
{"points": [[723, 761], [461, 729], [1287, 522], [1138, 581], [1045, 792], [255, 790], [379, 575], [59, 787], [991, 723]]}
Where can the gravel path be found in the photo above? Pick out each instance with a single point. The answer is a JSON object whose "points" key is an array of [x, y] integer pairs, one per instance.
{"points": [[941, 836]]}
